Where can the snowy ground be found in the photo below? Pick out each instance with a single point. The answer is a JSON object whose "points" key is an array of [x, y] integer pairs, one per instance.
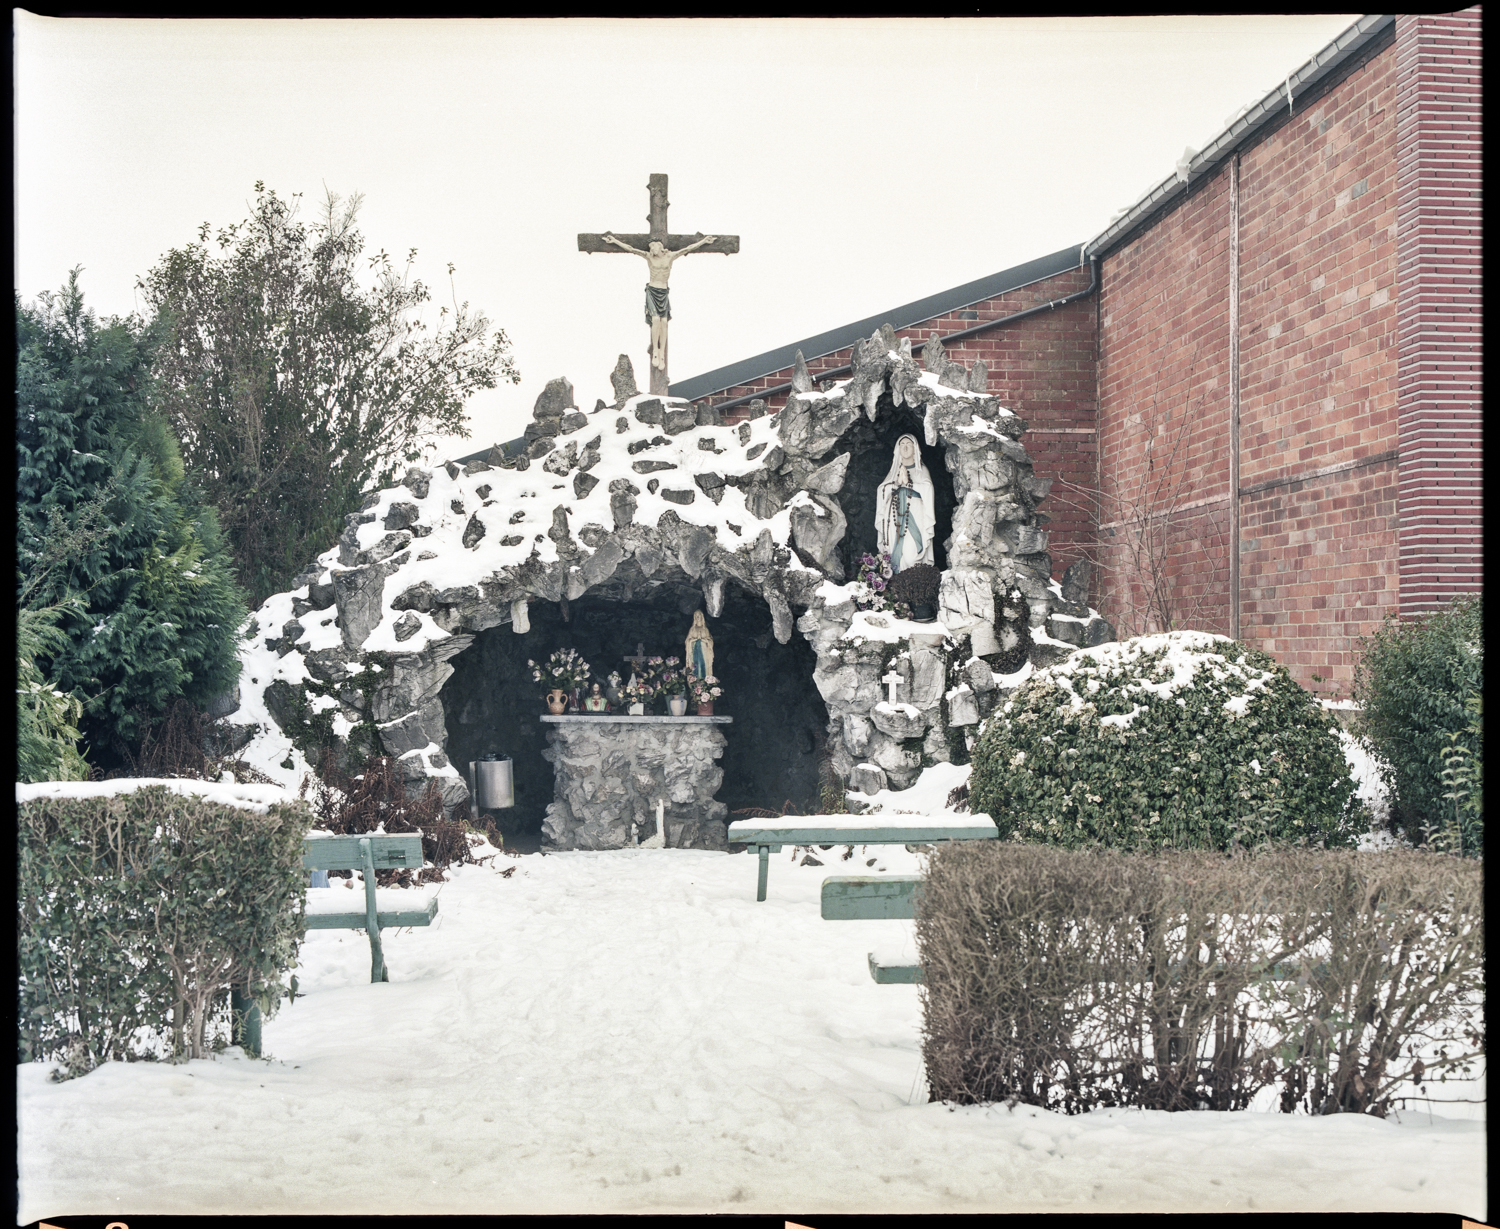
{"points": [[631, 1032]]}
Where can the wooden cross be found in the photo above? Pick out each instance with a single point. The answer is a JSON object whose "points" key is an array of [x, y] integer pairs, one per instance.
{"points": [[672, 247]]}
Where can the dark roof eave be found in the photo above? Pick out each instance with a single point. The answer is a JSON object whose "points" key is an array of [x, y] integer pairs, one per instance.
{"points": [[1346, 47], [697, 387]]}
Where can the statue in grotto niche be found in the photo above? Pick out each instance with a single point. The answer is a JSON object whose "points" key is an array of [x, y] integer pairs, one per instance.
{"points": [[698, 649], [905, 513]]}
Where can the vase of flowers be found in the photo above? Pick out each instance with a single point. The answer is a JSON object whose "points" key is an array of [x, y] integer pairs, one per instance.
{"points": [[703, 692], [673, 683], [563, 674]]}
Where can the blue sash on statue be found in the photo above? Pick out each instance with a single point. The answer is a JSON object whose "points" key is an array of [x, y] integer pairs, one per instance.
{"points": [[700, 667], [905, 524]]}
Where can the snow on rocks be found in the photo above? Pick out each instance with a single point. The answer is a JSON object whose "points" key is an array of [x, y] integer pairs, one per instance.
{"points": [[654, 490]]}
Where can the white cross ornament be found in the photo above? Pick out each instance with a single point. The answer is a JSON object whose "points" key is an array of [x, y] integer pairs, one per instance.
{"points": [[891, 680]]}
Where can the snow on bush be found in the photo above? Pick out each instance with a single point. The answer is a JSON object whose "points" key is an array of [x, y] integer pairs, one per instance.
{"points": [[1180, 739]]}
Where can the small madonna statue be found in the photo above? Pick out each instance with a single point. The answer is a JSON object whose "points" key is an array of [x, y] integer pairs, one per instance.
{"points": [[698, 649], [595, 702]]}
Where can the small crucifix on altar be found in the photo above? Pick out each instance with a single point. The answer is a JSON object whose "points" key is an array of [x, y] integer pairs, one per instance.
{"points": [[659, 249]]}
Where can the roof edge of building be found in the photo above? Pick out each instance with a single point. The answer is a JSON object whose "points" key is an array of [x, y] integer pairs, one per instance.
{"points": [[735, 374], [1315, 77]]}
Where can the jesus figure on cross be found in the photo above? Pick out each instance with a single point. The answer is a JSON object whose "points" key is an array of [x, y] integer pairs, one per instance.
{"points": [[658, 310]]}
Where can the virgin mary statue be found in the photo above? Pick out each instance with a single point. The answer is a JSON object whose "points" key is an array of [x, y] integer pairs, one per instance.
{"points": [[904, 513]]}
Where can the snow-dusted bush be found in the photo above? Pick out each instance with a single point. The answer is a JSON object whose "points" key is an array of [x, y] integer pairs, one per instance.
{"points": [[1181, 739], [137, 912]]}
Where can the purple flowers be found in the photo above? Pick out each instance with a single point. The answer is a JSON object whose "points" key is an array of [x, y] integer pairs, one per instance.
{"points": [[874, 574]]}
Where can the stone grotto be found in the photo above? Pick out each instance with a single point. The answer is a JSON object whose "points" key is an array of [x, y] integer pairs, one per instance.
{"points": [[608, 528]]}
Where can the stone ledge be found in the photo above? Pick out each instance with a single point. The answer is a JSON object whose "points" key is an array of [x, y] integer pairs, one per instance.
{"points": [[610, 719]]}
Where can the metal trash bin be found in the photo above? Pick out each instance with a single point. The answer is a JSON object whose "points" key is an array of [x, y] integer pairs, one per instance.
{"points": [[492, 783]]}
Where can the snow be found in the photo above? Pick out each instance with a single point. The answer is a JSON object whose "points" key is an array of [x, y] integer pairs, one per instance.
{"points": [[631, 1032], [884, 626], [928, 795], [348, 896], [858, 823], [259, 798]]}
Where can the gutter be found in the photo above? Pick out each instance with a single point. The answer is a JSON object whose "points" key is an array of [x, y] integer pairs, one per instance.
{"points": [[945, 341], [1318, 72]]}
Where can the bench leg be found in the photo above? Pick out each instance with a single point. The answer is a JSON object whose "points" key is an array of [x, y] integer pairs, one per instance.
{"points": [[765, 865], [245, 1021], [372, 924]]}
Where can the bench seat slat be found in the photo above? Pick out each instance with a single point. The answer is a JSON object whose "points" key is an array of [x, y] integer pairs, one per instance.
{"points": [[386, 921], [858, 897], [341, 853], [895, 973]]}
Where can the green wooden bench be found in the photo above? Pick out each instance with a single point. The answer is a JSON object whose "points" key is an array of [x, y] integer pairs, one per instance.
{"points": [[856, 897], [376, 852], [767, 836]]}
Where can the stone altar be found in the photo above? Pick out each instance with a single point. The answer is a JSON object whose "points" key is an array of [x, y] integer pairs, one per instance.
{"points": [[611, 771]]}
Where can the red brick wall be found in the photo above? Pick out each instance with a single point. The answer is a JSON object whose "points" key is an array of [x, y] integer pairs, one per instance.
{"points": [[1042, 368], [1317, 385], [1164, 389], [1318, 378], [1438, 185]]}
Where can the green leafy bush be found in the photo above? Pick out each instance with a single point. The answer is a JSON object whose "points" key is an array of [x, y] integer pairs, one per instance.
{"points": [[136, 912], [1181, 739], [1413, 685]]}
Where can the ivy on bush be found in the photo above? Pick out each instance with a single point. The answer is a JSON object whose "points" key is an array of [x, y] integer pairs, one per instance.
{"points": [[1182, 739], [1413, 685]]}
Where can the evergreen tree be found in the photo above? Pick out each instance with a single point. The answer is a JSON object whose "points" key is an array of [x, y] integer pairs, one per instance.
{"points": [[131, 593], [292, 388]]}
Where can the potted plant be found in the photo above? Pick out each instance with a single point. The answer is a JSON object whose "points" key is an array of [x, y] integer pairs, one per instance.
{"points": [[917, 588], [674, 685], [703, 692], [563, 674]]}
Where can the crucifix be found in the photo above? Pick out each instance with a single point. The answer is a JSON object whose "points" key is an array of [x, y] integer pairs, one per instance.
{"points": [[659, 249], [639, 659]]}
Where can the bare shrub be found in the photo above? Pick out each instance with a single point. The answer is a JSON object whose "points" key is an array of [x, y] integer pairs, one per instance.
{"points": [[376, 799], [1073, 979]]}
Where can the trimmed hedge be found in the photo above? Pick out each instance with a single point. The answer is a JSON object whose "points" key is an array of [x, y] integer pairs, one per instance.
{"points": [[1075, 979], [136, 912], [1181, 739], [1414, 683]]}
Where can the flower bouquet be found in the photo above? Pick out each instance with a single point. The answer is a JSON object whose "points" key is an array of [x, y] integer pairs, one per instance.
{"points": [[703, 692], [643, 686], [673, 683], [874, 575], [563, 674]]}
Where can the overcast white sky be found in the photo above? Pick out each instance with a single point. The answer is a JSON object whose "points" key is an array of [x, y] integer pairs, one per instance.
{"points": [[863, 163]]}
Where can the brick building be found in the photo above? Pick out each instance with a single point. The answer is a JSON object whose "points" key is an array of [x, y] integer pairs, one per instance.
{"points": [[1257, 391]]}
